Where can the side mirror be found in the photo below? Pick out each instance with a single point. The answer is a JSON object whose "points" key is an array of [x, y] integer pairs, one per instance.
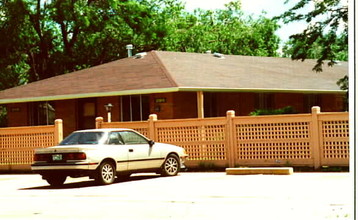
{"points": [[151, 143]]}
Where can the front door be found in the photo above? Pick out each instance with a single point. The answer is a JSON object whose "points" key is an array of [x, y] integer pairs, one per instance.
{"points": [[87, 114]]}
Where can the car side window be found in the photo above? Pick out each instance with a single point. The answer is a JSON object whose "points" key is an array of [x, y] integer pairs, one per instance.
{"points": [[115, 138], [130, 137]]}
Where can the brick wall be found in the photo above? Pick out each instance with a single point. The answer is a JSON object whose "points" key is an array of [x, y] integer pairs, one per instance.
{"points": [[162, 105], [17, 114], [332, 102], [178, 105], [67, 111], [185, 105]]}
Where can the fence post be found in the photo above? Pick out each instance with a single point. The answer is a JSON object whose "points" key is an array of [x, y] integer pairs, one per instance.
{"points": [[230, 137], [58, 131], [151, 120], [315, 137], [99, 121], [200, 103]]}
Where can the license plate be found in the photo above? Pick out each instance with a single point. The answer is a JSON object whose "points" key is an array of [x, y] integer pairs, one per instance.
{"points": [[56, 157]]}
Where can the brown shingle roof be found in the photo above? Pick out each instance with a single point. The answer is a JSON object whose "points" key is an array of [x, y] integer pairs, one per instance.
{"points": [[161, 71], [250, 73]]}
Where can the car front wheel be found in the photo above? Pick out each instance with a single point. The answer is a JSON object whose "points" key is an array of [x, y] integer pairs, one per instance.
{"points": [[106, 173], [171, 166]]}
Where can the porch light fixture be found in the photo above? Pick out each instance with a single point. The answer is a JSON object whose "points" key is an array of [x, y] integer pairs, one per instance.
{"points": [[108, 107]]}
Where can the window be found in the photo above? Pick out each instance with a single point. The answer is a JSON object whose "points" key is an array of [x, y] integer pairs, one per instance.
{"points": [[132, 138], [264, 101], [115, 138], [134, 107], [3, 116], [41, 113], [83, 138], [311, 100]]}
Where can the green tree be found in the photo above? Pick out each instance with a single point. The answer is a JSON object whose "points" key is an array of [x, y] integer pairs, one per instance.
{"points": [[326, 36], [41, 39], [14, 39], [226, 31], [314, 52]]}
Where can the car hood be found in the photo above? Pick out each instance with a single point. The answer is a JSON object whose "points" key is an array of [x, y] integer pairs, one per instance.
{"points": [[170, 147]]}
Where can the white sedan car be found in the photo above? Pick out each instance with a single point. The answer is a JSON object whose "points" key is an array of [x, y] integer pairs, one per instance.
{"points": [[103, 154]]}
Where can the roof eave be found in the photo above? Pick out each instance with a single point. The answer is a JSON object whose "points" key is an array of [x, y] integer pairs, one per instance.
{"points": [[220, 89], [89, 95], [163, 90]]}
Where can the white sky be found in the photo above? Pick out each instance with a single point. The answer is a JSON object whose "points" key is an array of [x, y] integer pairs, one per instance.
{"points": [[254, 7]]}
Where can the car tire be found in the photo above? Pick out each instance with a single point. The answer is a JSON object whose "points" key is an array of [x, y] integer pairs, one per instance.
{"points": [[171, 166], [106, 173], [56, 180]]}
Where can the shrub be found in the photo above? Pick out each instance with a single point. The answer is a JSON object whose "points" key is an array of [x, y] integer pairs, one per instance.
{"points": [[284, 110]]}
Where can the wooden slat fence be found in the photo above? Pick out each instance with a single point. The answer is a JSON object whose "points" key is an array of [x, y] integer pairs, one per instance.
{"points": [[315, 140], [17, 144], [334, 139], [273, 140]]}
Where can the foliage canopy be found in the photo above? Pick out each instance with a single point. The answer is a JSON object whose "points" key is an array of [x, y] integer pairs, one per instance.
{"points": [[326, 35], [41, 39]]}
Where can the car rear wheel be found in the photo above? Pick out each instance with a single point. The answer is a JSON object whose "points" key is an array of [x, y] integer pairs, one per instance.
{"points": [[106, 173], [56, 180], [171, 166]]}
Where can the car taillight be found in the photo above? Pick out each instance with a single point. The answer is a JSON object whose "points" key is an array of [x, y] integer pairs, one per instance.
{"points": [[75, 156], [63, 156], [41, 157]]}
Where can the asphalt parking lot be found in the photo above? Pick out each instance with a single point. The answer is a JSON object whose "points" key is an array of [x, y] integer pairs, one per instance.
{"points": [[196, 196]]}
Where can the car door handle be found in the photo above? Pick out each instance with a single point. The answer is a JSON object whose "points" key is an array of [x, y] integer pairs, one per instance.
{"points": [[130, 150]]}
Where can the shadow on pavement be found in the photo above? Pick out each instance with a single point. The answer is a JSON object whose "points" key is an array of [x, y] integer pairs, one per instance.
{"points": [[92, 183]]}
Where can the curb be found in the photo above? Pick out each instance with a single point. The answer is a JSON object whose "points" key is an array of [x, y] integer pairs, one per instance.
{"points": [[265, 170]]}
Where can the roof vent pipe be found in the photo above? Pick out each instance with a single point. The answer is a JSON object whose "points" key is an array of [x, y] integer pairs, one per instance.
{"points": [[140, 55], [129, 48]]}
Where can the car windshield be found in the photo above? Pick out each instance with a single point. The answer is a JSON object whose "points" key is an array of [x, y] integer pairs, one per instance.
{"points": [[83, 138]]}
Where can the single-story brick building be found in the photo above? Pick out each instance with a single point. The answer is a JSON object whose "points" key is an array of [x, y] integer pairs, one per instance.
{"points": [[175, 85]]}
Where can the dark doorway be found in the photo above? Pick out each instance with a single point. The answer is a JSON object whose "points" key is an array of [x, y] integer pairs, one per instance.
{"points": [[87, 113], [210, 104]]}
